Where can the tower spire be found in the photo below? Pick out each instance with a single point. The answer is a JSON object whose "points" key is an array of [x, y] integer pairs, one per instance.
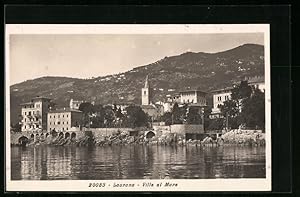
{"points": [[146, 82]]}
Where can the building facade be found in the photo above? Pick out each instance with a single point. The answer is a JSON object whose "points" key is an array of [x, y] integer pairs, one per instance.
{"points": [[219, 97], [34, 114], [193, 97], [63, 119], [222, 95], [75, 104], [257, 82]]}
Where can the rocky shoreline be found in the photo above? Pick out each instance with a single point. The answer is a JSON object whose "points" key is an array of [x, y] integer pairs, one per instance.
{"points": [[233, 137]]}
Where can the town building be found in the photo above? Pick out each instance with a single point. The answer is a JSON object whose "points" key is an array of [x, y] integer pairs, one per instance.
{"points": [[257, 82], [75, 104], [34, 114], [174, 98], [193, 97], [219, 97], [63, 119], [222, 95]]}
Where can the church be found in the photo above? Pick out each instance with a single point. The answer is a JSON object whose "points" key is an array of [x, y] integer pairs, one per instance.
{"points": [[154, 111]]}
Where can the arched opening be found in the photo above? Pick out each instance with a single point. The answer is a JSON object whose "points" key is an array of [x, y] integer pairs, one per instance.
{"points": [[23, 140], [32, 136], [67, 135], [61, 134], [53, 133], [73, 135], [150, 134]]}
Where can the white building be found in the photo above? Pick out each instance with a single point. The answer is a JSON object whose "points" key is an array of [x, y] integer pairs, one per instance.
{"points": [[193, 97], [222, 95], [34, 114], [219, 97], [75, 104], [257, 82], [63, 119]]}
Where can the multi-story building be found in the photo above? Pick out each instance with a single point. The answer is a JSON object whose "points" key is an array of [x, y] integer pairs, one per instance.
{"points": [[222, 95], [219, 97], [193, 97], [257, 82], [75, 104], [63, 119], [34, 114]]}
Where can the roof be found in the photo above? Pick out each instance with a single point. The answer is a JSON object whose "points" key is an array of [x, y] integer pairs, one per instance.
{"points": [[28, 103], [222, 90], [64, 110], [40, 97], [259, 79], [192, 90], [146, 82], [147, 107]]}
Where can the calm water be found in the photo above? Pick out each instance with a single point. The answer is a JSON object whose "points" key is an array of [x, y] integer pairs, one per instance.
{"points": [[136, 162]]}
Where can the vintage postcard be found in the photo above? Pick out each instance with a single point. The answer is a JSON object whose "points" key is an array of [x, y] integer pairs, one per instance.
{"points": [[138, 107]]}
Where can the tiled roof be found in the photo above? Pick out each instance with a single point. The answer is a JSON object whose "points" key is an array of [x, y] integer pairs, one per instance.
{"points": [[64, 110]]}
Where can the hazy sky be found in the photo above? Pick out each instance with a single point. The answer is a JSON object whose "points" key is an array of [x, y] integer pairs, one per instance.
{"points": [[84, 56]]}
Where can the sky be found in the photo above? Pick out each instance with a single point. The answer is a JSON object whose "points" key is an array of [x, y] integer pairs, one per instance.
{"points": [[86, 56]]}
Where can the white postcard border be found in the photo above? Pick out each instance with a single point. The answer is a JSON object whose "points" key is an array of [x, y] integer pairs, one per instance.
{"points": [[238, 184]]}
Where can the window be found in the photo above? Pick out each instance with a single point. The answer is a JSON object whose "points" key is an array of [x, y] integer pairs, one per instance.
{"points": [[54, 116], [67, 116], [50, 123], [58, 116], [24, 119], [63, 122], [25, 113], [67, 128], [37, 119], [50, 116], [145, 92], [63, 116], [58, 122], [25, 126], [67, 122]]}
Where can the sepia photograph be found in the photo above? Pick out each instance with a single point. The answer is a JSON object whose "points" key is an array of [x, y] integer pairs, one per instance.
{"points": [[138, 107]]}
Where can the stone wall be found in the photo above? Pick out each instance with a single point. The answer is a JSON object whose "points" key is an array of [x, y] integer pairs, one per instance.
{"points": [[187, 128]]}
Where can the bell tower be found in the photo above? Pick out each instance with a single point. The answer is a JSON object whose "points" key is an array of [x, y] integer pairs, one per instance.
{"points": [[146, 93]]}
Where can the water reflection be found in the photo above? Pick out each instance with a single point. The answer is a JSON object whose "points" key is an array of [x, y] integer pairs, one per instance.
{"points": [[136, 162]]}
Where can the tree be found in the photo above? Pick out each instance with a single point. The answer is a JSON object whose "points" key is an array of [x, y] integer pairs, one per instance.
{"points": [[87, 109], [207, 112], [136, 117], [246, 107], [193, 116], [176, 114], [109, 116], [253, 112], [167, 118], [119, 116], [242, 91], [215, 124]]}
